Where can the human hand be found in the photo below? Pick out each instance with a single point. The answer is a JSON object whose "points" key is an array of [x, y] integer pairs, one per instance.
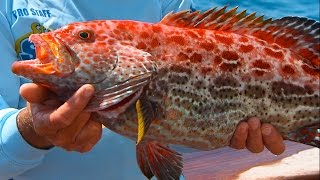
{"points": [[254, 136], [47, 122]]}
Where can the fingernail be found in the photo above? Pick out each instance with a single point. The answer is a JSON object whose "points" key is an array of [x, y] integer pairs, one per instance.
{"points": [[243, 129], [254, 123], [266, 131]]}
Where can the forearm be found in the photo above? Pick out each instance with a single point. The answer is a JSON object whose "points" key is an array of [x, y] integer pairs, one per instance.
{"points": [[16, 155]]}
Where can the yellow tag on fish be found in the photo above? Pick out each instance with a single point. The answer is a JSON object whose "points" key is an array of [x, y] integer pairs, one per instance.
{"points": [[141, 124]]}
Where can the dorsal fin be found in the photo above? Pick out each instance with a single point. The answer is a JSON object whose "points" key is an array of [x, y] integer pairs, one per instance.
{"points": [[301, 35], [214, 19]]}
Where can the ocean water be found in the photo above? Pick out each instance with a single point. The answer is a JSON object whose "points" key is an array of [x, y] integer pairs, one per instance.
{"points": [[269, 8]]}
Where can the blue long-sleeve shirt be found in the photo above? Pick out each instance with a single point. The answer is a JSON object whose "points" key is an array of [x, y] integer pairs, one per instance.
{"points": [[114, 156]]}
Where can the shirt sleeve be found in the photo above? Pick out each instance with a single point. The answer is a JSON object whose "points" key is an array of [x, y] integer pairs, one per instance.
{"points": [[16, 155]]}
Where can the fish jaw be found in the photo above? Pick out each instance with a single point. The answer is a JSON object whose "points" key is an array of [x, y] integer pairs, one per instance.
{"points": [[52, 58]]}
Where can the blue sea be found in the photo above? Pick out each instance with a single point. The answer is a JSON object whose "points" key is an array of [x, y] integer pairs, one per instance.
{"points": [[269, 8]]}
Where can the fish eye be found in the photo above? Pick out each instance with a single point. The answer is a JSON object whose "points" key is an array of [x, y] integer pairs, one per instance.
{"points": [[85, 35]]}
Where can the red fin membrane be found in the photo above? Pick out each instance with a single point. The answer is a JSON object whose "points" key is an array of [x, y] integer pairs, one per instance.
{"points": [[158, 160], [143, 161], [215, 19], [300, 35], [115, 94]]}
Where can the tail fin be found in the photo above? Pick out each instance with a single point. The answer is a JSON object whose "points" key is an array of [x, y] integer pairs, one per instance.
{"points": [[309, 135]]}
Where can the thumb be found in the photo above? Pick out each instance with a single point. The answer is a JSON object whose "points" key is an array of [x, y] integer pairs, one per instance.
{"points": [[34, 93]]}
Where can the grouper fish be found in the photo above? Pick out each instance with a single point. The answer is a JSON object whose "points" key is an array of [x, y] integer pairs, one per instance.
{"points": [[187, 80]]}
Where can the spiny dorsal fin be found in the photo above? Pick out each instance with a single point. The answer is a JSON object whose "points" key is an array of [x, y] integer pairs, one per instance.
{"points": [[214, 19], [301, 35]]}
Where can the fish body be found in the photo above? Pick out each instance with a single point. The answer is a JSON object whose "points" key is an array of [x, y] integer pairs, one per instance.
{"points": [[212, 82], [188, 80]]}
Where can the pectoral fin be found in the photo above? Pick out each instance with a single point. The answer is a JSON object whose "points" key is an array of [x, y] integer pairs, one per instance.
{"points": [[145, 115], [117, 93], [156, 159], [132, 70]]}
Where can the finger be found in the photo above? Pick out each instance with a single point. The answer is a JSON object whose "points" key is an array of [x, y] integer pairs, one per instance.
{"points": [[89, 136], [40, 117], [272, 139], [240, 135], [254, 140], [67, 136], [34, 93], [67, 112]]}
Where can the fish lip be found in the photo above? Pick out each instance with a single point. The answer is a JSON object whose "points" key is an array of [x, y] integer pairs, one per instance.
{"points": [[40, 46], [50, 53], [42, 64]]}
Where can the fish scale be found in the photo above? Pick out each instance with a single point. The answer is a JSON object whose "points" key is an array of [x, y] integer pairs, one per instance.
{"points": [[188, 80], [211, 87]]}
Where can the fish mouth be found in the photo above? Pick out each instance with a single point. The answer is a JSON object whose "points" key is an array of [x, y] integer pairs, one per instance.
{"points": [[42, 49], [52, 57]]}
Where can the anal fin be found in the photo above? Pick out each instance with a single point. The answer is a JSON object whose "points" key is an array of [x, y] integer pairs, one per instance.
{"points": [[156, 159]]}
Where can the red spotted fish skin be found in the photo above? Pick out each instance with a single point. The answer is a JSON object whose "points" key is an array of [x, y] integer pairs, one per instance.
{"points": [[103, 60], [208, 81], [205, 79]]}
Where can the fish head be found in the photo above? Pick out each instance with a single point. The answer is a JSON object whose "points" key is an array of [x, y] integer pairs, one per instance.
{"points": [[82, 53]]}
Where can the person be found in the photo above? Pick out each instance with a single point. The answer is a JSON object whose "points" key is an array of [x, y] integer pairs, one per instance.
{"points": [[58, 140]]}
